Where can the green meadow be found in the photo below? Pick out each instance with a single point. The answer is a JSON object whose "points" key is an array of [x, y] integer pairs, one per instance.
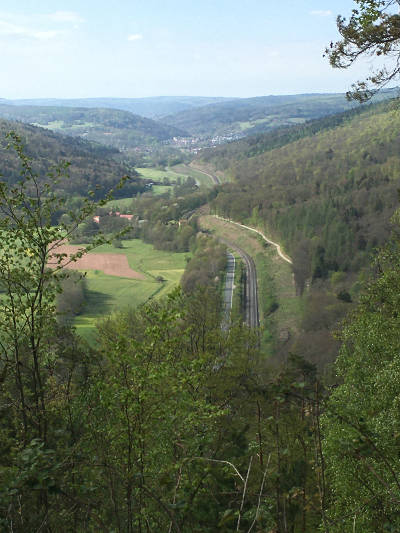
{"points": [[159, 175], [106, 293], [119, 203]]}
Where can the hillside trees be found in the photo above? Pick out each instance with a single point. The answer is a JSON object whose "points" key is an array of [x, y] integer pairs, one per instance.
{"points": [[36, 369], [336, 189], [91, 167], [362, 421], [157, 413]]}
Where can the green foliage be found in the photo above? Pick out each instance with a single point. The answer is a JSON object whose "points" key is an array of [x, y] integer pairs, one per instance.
{"points": [[117, 243], [71, 299], [322, 190], [150, 418], [32, 361], [362, 421], [207, 266]]}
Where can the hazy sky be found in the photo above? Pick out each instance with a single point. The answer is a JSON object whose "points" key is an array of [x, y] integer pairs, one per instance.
{"points": [[133, 48]]}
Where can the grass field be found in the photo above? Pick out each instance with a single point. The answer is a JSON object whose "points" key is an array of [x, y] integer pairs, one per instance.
{"points": [[108, 293], [159, 175], [120, 203], [173, 173], [126, 203]]}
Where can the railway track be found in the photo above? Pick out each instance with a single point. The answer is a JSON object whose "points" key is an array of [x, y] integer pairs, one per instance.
{"points": [[251, 291]]}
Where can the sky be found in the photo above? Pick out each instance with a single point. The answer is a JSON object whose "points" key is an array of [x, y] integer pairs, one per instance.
{"points": [[139, 48]]}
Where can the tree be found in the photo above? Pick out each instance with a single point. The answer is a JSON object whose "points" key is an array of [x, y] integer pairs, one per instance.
{"points": [[373, 30], [361, 425], [161, 424], [35, 367]]}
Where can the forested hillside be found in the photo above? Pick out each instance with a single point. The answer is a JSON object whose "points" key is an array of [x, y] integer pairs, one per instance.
{"points": [[252, 115], [222, 157], [328, 195], [112, 127], [90, 165]]}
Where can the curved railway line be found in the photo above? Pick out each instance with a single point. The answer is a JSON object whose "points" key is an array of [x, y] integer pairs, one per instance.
{"points": [[251, 291]]}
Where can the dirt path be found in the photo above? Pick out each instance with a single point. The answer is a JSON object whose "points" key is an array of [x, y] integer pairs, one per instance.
{"points": [[277, 246]]}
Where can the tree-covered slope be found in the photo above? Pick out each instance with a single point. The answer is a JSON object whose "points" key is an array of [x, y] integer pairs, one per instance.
{"points": [[250, 116], [90, 164], [112, 127], [328, 196], [253, 115], [223, 156]]}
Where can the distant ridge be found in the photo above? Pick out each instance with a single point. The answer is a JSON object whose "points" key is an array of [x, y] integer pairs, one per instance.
{"points": [[150, 107], [248, 116], [112, 127]]}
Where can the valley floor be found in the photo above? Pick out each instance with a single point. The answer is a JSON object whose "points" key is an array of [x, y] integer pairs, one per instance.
{"points": [[161, 271]]}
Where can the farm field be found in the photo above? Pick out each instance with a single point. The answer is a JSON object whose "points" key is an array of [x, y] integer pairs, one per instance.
{"points": [[107, 293]]}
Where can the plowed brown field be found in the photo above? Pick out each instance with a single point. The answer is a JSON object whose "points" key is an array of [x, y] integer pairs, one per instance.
{"points": [[112, 264]]}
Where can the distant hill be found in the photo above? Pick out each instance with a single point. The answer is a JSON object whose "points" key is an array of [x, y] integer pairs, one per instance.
{"points": [[254, 115], [326, 190], [112, 127], [90, 165], [151, 107]]}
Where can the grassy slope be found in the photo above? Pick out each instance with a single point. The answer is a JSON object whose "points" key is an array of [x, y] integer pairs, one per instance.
{"points": [[107, 293], [274, 278], [119, 203]]}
